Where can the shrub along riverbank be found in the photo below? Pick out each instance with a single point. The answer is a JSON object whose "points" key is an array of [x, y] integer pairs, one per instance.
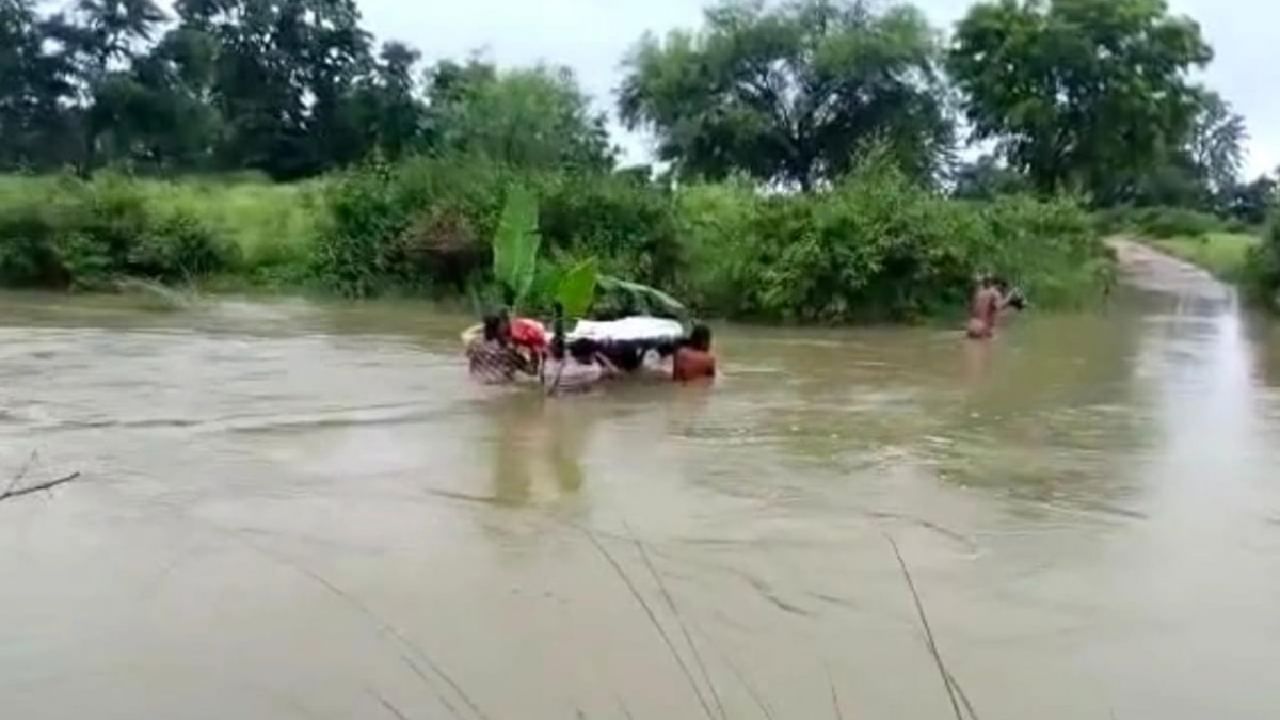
{"points": [[1237, 253], [874, 246]]}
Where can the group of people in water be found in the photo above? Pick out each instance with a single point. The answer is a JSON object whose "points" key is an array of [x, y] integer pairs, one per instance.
{"points": [[507, 349], [510, 349]]}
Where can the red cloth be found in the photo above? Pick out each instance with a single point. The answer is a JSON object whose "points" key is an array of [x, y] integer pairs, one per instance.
{"points": [[528, 333]]}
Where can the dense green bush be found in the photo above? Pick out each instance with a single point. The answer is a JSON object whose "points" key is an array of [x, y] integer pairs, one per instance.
{"points": [[1159, 221], [428, 222], [629, 226], [1262, 271], [877, 246], [873, 246], [67, 232], [410, 225]]}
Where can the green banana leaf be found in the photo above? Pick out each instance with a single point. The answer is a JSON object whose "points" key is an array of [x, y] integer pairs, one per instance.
{"points": [[516, 242], [578, 289], [656, 301]]}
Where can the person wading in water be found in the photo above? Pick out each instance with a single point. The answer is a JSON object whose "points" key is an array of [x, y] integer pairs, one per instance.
{"points": [[491, 358], [694, 359], [984, 309]]}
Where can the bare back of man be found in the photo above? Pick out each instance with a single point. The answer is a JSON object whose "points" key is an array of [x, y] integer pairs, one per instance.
{"points": [[983, 312]]}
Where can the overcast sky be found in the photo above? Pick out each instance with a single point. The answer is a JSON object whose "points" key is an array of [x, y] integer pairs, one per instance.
{"points": [[591, 36]]}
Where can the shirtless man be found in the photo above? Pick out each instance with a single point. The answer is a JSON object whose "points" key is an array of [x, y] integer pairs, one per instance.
{"points": [[694, 360], [985, 308]]}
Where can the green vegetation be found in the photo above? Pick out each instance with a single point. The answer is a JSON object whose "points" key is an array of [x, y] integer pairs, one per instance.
{"points": [[787, 95], [68, 232], [809, 147], [1165, 222], [1223, 254], [876, 245], [1263, 271]]}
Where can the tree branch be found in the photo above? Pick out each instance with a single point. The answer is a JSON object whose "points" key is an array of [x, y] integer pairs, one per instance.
{"points": [[39, 487]]}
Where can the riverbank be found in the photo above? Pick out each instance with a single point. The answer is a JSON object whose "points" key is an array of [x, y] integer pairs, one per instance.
{"points": [[1225, 255], [873, 247], [1246, 261]]}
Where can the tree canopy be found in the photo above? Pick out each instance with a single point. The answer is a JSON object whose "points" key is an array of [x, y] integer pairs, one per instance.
{"points": [[788, 95], [290, 88], [536, 117], [1093, 96], [1080, 94]]}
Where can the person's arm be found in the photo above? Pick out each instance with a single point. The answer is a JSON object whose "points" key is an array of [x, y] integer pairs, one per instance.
{"points": [[522, 363], [610, 370]]}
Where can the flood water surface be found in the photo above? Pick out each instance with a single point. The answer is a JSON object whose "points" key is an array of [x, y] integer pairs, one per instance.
{"points": [[298, 510]]}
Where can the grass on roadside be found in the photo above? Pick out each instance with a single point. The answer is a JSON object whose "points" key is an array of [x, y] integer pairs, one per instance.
{"points": [[269, 227], [1223, 254]]}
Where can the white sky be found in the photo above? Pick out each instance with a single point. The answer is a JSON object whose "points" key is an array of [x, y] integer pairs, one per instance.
{"points": [[592, 36]]}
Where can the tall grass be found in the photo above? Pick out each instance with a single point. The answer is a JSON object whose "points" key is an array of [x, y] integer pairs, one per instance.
{"points": [[875, 246], [62, 230], [1225, 255], [272, 225]]}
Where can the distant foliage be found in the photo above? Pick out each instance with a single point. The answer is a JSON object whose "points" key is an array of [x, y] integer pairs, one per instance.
{"points": [[879, 246], [534, 118], [409, 226], [787, 93], [1085, 95], [1160, 222], [74, 233], [1263, 269]]}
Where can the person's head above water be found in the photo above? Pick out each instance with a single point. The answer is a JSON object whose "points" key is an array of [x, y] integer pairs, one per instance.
{"points": [[492, 327], [700, 338]]}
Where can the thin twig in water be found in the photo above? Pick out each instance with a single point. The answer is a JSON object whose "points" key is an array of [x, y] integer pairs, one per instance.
{"points": [[22, 472], [622, 705], [928, 632], [387, 630], [746, 682], [671, 604], [835, 698], [391, 708], [964, 699], [39, 487], [653, 619]]}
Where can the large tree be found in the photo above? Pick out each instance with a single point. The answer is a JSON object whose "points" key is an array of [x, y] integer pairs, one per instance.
{"points": [[790, 94], [282, 73], [536, 117], [1080, 94], [33, 86], [1216, 148], [1204, 171]]}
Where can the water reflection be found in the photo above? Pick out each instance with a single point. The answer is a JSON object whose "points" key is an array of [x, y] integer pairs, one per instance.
{"points": [[1088, 504], [536, 437]]}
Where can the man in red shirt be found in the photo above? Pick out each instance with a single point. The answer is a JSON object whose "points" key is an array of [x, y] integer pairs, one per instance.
{"points": [[694, 360]]}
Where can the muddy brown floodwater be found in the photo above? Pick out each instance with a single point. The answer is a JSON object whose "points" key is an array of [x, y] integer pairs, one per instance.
{"points": [[301, 510]]}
